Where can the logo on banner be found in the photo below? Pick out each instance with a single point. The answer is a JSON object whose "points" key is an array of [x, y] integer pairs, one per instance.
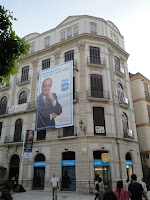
{"points": [[105, 157]]}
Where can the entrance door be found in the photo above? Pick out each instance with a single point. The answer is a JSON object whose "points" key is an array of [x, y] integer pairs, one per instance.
{"points": [[68, 179], [38, 181], [14, 166]]}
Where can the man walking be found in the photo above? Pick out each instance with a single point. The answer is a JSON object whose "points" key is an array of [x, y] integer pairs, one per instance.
{"points": [[136, 189], [54, 185]]}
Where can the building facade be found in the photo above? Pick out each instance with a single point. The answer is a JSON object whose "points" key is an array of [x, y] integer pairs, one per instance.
{"points": [[140, 87], [103, 139]]}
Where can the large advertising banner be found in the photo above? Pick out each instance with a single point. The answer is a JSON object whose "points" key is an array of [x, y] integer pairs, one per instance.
{"points": [[55, 97], [28, 144]]}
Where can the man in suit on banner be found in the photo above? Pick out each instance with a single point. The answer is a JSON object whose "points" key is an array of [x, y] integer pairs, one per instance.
{"points": [[48, 106]]}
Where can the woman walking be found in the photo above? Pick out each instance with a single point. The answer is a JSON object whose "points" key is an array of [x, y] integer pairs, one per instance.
{"points": [[121, 193]]}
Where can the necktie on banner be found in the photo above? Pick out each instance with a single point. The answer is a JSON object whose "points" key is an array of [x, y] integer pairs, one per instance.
{"points": [[46, 102]]}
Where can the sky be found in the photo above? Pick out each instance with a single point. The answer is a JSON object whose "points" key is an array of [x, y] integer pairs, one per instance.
{"points": [[130, 16]]}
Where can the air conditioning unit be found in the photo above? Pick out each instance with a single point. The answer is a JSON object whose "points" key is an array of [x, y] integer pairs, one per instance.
{"points": [[122, 70], [125, 100], [130, 133]]}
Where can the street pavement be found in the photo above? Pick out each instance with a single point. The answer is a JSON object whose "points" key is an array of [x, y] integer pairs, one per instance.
{"points": [[46, 195]]}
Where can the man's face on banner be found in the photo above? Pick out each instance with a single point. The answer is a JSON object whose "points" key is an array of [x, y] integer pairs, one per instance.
{"points": [[46, 86]]}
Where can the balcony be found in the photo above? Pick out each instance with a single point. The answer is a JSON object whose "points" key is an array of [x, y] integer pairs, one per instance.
{"points": [[75, 96], [10, 139], [96, 62], [124, 102], [147, 95], [23, 80], [128, 133], [120, 71], [4, 87], [97, 95], [67, 132], [25, 107], [94, 32]]}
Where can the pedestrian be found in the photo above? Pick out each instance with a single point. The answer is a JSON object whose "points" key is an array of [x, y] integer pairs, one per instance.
{"points": [[121, 193], [96, 188], [136, 189], [127, 184], [54, 185], [144, 187], [101, 188], [6, 197], [110, 195]]}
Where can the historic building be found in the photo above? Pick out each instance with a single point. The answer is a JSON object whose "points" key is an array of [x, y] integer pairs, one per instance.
{"points": [[140, 87], [103, 139]]}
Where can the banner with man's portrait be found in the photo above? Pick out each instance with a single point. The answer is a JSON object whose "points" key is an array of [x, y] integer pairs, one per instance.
{"points": [[55, 97], [28, 144]]}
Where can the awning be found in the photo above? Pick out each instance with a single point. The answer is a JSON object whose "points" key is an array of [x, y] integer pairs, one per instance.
{"points": [[2, 168]]}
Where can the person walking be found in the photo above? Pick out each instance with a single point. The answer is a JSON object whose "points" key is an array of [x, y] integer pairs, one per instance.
{"points": [[96, 188], [54, 185], [110, 195], [101, 187], [121, 193], [127, 184], [144, 187], [136, 189]]}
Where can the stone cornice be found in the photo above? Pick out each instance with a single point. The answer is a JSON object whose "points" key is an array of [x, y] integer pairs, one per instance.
{"points": [[84, 36]]}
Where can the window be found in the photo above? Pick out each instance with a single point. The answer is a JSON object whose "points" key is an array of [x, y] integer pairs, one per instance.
{"points": [[18, 130], [41, 135], [120, 93], [125, 124], [117, 62], [68, 131], [62, 35], [93, 28], [47, 42], [25, 74], [46, 64], [22, 97], [96, 86], [69, 33], [145, 87], [99, 121], [3, 105], [1, 128], [75, 30], [148, 109], [32, 48], [95, 55], [69, 55]]}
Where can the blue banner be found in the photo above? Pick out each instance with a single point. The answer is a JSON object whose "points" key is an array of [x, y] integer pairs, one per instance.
{"points": [[129, 162], [39, 164], [68, 163], [99, 162]]}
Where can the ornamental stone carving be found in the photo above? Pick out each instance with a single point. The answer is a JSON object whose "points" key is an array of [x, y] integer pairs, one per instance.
{"points": [[81, 44], [35, 61], [57, 53], [110, 49]]}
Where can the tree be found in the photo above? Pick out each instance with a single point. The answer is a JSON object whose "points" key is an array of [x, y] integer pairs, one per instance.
{"points": [[12, 47]]}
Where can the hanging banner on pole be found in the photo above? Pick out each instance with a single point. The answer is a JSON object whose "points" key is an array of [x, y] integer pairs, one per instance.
{"points": [[55, 97], [28, 144]]}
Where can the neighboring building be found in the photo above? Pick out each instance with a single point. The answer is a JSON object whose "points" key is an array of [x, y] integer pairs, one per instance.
{"points": [[103, 111], [140, 87]]}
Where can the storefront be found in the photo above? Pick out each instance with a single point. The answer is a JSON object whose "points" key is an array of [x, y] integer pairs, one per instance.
{"points": [[39, 172], [68, 164], [102, 167]]}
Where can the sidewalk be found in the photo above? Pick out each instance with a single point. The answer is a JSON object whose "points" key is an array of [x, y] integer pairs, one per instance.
{"points": [[45, 195]]}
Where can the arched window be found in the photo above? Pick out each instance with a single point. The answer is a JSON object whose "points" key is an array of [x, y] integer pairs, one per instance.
{"points": [[39, 157], [18, 130], [3, 105], [128, 156], [22, 97], [120, 92], [125, 124]]}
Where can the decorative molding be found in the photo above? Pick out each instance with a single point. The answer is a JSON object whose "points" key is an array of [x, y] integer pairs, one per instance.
{"points": [[81, 44], [111, 51], [35, 61], [57, 53]]}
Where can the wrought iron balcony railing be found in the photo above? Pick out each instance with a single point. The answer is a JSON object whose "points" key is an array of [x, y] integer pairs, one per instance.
{"points": [[96, 61], [69, 131], [98, 94], [23, 79], [120, 70], [10, 139], [147, 95]]}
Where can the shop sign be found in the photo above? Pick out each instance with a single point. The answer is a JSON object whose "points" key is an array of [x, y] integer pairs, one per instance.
{"points": [[39, 164], [99, 129], [129, 162], [68, 163], [99, 162], [105, 157]]}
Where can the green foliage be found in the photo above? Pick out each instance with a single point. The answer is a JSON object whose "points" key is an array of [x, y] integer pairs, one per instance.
{"points": [[12, 47]]}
